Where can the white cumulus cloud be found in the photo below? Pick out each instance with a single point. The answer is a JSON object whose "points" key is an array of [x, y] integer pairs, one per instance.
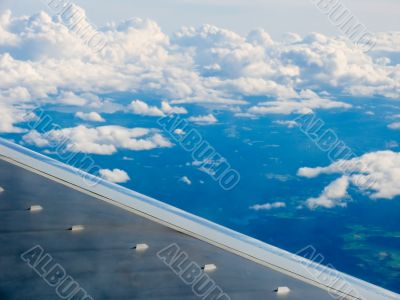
{"points": [[179, 131], [204, 120], [207, 64], [116, 175], [103, 140], [91, 116], [376, 174], [142, 108], [335, 194], [139, 107], [305, 103], [42, 61]]}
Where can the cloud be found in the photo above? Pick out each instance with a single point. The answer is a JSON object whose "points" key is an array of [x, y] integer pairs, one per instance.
{"points": [[207, 65], [12, 115], [69, 98], [14, 109], [179, 131], [104, 140], [92, 116], [142, 108], [116, 175], [268, 206], [288, 124], [333, 195], [395, 125], [310, 172], [139, 107], [87, 100], [375, 174], [279, 177], [204, 120], [306, 102], [186, 180], [35, 138], [168, 109], [1, 190]]}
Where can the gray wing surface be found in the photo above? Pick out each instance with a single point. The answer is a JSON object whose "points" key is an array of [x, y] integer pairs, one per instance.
{"points": [[66, 234]]}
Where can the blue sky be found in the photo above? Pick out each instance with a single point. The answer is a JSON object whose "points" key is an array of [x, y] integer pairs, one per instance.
{"points": [[276, 16]]}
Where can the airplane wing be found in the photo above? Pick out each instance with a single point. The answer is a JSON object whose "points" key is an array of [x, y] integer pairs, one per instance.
{"points": [[70, 235]]}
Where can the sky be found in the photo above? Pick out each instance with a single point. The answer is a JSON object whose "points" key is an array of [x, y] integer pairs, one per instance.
{"points": [[275, 16]]}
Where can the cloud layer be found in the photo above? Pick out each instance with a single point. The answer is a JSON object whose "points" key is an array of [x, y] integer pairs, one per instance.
{"points": [[195, 65]]}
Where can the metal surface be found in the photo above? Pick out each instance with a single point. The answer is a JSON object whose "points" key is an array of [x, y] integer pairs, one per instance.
{"points": [[101, 257]]}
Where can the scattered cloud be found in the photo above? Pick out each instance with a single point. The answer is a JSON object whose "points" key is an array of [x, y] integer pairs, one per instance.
{"points": [[335, 194], [92, 116], [176, 110], [87, 100], [268, 206], [375, 174], [139, 107], [179, 131], [204, 120], [142, 108], [1, 190], [69, 98], [306, 102], [104, 140], [395, 125], [116, 175], [186, 180], [279, 177], [127, 158], [288, 124]]}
